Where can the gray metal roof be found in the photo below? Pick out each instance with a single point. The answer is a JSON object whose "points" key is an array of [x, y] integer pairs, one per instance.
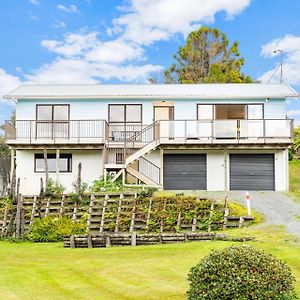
{"points": [[203, 91]]}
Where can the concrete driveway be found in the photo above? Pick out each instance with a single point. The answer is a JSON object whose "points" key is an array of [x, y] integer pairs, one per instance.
{"points": [[277, 207]]}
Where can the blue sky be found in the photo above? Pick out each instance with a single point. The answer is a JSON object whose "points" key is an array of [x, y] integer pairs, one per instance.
{"points": [[90, 41]]}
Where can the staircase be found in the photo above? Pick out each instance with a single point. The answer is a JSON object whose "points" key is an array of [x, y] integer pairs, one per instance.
{"points": [[128, 154]]}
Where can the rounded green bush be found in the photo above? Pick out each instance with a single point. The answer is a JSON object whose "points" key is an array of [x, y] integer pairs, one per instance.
{"points": [[241, 272]]}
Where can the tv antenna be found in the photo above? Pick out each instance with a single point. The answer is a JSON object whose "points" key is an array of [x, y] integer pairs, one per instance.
{"points": [[280, 66]]}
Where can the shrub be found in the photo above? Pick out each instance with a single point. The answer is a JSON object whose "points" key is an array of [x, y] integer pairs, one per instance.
{"points": [[51, 229], [148, 192], [100, 185], [241, 272], [53, 189]]}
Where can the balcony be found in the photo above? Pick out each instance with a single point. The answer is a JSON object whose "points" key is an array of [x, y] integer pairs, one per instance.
{"points": [[55, 132], [265, 131], [226, 131]]}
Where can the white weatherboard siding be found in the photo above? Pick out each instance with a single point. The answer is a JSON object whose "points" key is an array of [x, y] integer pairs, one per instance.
{"points": [[184, 109], [92, 168]]}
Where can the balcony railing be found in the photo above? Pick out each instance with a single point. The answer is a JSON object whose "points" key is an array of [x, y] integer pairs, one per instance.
{"points": [[138, 135], [226, 130], [72, 131]]}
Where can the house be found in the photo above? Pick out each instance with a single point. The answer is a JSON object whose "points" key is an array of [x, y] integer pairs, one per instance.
{"points": [[182, 137]]}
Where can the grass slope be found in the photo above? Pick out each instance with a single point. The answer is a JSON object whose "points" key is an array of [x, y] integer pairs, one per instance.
{"points": [[48, 271], [294, 169]]}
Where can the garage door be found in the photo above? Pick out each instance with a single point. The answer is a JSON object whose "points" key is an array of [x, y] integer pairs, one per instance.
{"points": [[184, 172], [252, 172]]}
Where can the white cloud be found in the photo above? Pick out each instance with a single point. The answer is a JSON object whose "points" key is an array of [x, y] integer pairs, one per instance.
{"points": [[7, 82], [34, 2], [59, 24], [115, 51], [74, 44], [290, 45], [63, 71], [145, 21], [68, 9]]}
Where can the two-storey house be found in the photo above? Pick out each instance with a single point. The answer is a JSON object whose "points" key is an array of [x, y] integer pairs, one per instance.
{"points": [[181, 137]]}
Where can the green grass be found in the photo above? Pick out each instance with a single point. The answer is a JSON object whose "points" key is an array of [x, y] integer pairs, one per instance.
{"points": [[295, 179], [48, 271]]}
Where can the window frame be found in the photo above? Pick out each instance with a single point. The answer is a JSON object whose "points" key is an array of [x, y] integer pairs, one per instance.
{"points": [[52, 121], [69, 156], [52, 113], [125, 113], [246, 109]]}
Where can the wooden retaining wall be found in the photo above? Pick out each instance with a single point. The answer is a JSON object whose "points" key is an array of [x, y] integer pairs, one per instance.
{"points": [[136, 239], [113, 213]]}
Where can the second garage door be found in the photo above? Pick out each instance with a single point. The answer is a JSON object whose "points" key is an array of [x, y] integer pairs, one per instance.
{"points": [[252, 172], [184, 172]]}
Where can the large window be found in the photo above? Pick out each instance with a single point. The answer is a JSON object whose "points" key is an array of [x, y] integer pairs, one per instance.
{"points": [[52, 121], [230, 111], [125, 113], [65, 163], [125, 121]]}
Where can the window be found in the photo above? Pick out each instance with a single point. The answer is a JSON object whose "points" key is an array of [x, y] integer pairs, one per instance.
{"points": [[52, 112], [125, 113], [65, 163], [255, 111], [205, 111], [230, 111], [52, 121]]}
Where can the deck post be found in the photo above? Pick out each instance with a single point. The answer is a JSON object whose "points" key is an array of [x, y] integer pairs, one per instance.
{"points": [[57, 165]]}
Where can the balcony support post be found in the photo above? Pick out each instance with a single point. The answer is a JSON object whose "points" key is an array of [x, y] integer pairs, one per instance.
{"points": [[57, 165]]}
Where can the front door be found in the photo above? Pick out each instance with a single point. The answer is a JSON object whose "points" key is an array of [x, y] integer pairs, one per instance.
{"points": [[164, 114]]}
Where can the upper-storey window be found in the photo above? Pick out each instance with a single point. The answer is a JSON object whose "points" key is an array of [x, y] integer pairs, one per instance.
{"points": [[230, 111], [205, 111], [125, 113], [52, 112], [125, 120], [52, 121]]}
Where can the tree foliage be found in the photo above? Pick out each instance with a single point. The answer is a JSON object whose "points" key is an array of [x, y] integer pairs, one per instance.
{"points": [[296, 143], [4, 149], [207, 57]]}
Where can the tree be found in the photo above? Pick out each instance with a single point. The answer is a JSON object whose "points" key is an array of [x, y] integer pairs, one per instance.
{"points": [[4, 149], [207, 57], [296, 142]]}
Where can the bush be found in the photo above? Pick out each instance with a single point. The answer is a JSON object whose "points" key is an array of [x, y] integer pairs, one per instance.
{"points": [[54, 190], [241, 272], [51, 229], [100, 185]]}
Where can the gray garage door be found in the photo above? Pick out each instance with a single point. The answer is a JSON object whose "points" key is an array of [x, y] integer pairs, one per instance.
{"points": [[184, 172], [252, 172]]}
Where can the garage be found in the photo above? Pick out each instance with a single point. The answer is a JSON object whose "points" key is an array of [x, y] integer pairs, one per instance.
{"points": [[184, 171], [252, 172]]}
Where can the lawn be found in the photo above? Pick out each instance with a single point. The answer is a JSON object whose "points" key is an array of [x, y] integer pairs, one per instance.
{"points": [[295, 179], [48, 271]]}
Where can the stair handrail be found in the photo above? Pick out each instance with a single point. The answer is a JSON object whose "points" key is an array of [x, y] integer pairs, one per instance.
{"points": [[142, 131], [142, 158]]}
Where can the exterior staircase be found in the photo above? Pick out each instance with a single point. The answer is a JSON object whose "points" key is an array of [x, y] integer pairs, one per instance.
{"points": [[129, 155]]}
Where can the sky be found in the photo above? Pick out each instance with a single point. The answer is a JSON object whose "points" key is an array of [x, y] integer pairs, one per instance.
{"points": [[129, 41]]}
